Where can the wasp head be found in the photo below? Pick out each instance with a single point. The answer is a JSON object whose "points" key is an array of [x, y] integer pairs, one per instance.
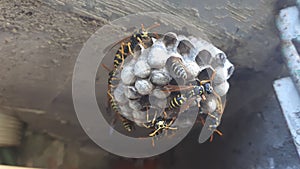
{"points": [[208, 88], [160, 123]]}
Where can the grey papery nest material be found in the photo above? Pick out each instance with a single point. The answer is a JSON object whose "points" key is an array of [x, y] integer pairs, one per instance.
{"points": [[171, 58]]}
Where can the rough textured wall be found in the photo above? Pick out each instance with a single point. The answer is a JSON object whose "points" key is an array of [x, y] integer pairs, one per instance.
{"points": [[230, 25], [40, 41]]}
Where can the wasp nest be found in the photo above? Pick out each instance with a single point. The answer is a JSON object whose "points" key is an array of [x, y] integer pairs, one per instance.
{"points": [[171, 60]]}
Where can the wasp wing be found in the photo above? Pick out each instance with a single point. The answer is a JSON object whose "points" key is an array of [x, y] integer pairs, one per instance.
{"points": [[111, 46], [175, 88], [212, 121]]}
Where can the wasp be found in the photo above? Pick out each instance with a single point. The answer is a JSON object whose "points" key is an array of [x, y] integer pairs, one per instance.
{"points": [[127, 124], [159, 124], [176, 68], [113, 81], [212, 121], [141, 36], [194, 92]]}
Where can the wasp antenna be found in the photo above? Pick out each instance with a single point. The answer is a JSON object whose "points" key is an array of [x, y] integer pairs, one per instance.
{"points": [[154, 118], [153, 26], [211, 138], [143, 27]]}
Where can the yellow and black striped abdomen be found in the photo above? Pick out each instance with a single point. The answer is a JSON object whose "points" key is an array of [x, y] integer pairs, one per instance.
{"points": [[177, 101], [114, 105], [127, 124], [113, 80], [127, 47], [122, 53]]}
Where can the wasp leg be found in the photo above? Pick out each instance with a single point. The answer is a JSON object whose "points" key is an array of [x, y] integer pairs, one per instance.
{"points": [[220, 106], [156, 35], [106, 67], [161, 128], [147, 119], [212, 136], [154, 118], [215, 130], [110, 95], [146, 126], [199, 102], [203, 97], [122, 54], [111, 86], [204, 81], [141, 42], [171, 128], [129, 48], [219, 132], [154, 132], [165, 114], [153, 144], [147, 115], [213, 116], [213, 75], [211, 78]]}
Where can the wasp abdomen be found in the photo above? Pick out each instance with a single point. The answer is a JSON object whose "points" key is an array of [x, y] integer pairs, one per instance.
{"points": [[177, 101], [113, 81], [176, 68], [128, 125]]}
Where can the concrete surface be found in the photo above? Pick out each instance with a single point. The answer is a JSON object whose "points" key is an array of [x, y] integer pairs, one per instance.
{"points": [[39, 43], [289, 99]]}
